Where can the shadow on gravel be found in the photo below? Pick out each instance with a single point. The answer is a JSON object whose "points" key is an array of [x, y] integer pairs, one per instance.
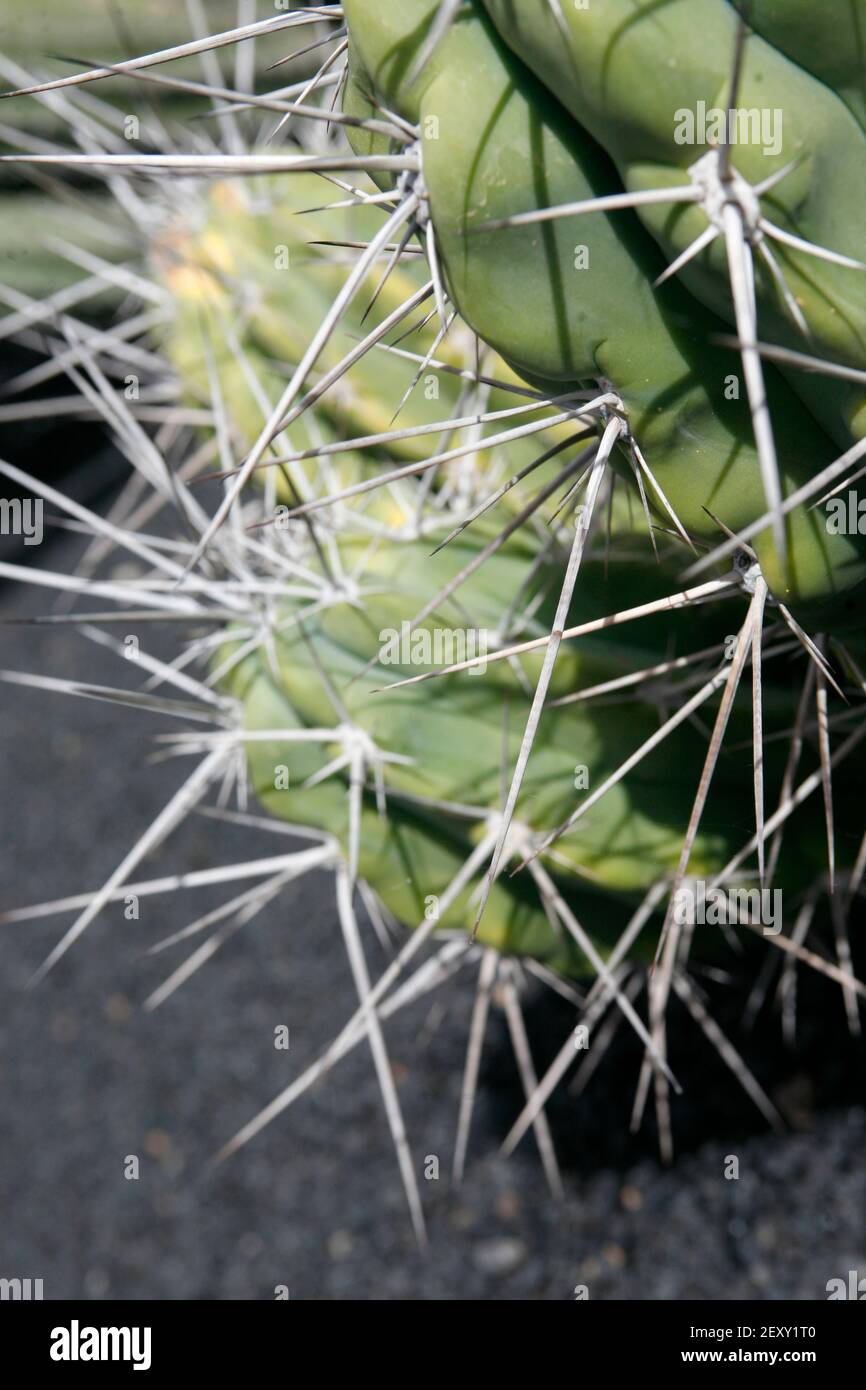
{"points": [[823, 1070]]}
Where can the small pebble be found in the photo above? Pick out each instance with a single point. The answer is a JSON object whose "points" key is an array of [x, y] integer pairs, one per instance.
{"points": [[500, 1256]]}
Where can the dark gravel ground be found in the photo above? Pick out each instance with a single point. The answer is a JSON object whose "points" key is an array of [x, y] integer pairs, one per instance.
{"points": [[315, 1203]]}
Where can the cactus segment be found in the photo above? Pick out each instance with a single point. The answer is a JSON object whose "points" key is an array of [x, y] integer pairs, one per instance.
{"points": [[463, 428], [829, 44], [628, 74], [494, 145]]}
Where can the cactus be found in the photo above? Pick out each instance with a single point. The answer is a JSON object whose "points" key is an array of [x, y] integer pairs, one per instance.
{"points": [[444, 411]]}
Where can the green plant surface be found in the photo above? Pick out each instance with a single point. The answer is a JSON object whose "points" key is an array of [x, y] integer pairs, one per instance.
{"points": [[499, 146]]}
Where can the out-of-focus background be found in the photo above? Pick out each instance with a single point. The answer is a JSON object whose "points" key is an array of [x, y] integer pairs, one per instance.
{"points": [[88, 1079]]}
